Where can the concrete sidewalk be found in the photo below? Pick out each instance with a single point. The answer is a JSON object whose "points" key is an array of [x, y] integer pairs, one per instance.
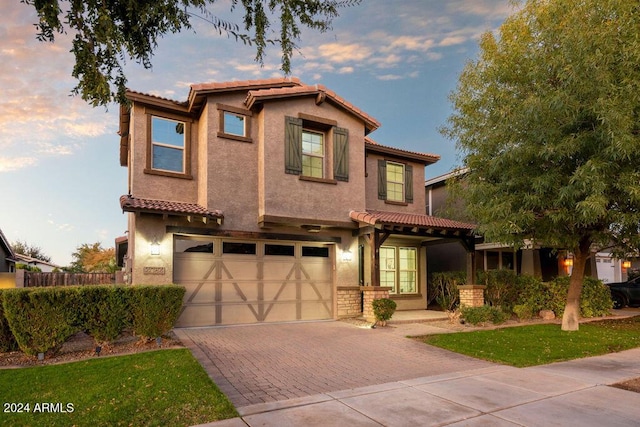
{"points": [[560, 394]]}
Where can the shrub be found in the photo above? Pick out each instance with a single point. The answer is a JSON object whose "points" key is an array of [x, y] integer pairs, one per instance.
{"points": [[595, 299], [523, 311], [7, 340], [155, 309], [483, 314], [446, 287], [533, 293], [42, 319], [501, 287], [383, 309], [105, 313]]}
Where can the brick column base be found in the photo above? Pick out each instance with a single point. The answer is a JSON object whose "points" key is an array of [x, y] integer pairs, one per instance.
{"points": [[471, 295], [348, 301], [372, 293]]}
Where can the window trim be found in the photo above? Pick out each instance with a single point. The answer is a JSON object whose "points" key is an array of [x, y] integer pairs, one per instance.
{"points": [[407, 183], [186, 150], [335, 146], [395, 290], [402, 183], [323, 157], [247, 114]]}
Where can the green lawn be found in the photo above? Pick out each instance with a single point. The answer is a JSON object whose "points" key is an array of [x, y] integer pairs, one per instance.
{"points": [[540, 344], [165, 387]]}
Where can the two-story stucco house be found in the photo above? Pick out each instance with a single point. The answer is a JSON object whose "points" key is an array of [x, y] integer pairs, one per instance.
{"points": [[267, 200]]}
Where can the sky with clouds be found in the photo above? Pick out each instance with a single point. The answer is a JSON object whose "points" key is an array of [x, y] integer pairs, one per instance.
{"points": [[60, 176]]}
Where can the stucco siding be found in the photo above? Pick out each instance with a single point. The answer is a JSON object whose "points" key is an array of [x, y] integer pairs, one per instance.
{"points": [[289, 196], [373, 202]]}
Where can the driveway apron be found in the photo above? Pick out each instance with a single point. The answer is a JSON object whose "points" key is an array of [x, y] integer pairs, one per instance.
{"points": [[271, 362]]}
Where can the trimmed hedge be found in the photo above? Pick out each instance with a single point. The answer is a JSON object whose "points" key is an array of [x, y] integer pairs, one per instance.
{"points": [[106, 311], [7, 340], [155, 309], [42, 319]]}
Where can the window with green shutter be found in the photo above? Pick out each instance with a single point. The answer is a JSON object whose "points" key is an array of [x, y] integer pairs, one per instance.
{"points": [[395, 182], [308, 142]]}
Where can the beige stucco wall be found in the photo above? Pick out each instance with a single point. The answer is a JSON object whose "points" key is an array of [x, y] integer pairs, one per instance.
{"points": [[289, 196], [149, 186], [418, 205]]}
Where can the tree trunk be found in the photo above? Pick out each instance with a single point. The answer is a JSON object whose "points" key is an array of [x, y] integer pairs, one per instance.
{"points": [[571, 316]]}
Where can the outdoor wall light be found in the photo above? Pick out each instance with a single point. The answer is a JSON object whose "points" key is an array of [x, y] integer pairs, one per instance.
{"points": [[626, 264], [568, 262], [347, 256], [155, 246]]}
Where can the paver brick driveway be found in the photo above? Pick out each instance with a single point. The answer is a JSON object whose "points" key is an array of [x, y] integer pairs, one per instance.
{"points": [[269, 362]]}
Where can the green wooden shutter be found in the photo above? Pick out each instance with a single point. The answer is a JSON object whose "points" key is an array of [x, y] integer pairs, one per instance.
{"points": [[340, 154], [293, 145], [408, 183], [382, 179]]}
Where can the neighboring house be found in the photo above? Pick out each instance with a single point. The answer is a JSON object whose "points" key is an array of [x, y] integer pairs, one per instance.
{"points": [[7, 256], [543, 262], [268, 202], [45, 267]]}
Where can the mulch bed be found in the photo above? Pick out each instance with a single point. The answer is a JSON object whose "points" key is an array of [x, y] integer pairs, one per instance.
{"points": [[82, 347]]}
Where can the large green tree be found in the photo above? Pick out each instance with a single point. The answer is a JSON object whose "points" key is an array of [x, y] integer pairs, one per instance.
{"points": [[548, 121], [108, 32]]}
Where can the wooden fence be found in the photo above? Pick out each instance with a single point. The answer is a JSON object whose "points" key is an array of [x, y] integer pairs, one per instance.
{"points": [[33, 280]]}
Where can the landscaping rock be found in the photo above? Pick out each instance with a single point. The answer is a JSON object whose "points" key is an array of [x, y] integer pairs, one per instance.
{"points": [[547, 315]]}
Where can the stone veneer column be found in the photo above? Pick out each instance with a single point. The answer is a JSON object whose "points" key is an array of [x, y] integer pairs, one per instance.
{"points": [[348, 301], [372, 293], [471, 295]]}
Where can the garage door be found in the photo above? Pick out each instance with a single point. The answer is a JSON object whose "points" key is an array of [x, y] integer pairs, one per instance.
{"points": [[233, 282]]}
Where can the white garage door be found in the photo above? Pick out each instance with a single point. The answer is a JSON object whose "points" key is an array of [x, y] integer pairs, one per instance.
{"points": [[232, 282]]}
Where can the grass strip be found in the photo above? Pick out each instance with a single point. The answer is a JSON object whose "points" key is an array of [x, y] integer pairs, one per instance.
{"points": [[532, 345], [157, 388]]}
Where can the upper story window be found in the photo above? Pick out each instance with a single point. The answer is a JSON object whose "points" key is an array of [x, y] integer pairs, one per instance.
{"points": [[316, 149], [167, 145], [312, 154], [235, 123], [395, 182]]}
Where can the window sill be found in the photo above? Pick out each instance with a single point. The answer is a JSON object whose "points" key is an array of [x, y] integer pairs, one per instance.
{"points": [[405, 296], [234, 137], [319, 180], [168, 174], [391, 202]]}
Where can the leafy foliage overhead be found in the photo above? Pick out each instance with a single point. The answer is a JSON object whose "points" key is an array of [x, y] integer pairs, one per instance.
{"points": [[109, 32], [548, 121]]}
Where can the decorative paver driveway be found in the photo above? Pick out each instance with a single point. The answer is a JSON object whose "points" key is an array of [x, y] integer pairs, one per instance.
{"points": [[269, 362]]}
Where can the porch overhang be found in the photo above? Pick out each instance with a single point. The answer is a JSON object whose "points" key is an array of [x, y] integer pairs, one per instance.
{"points": [[166, 208], [412, 224], [377, 226]]}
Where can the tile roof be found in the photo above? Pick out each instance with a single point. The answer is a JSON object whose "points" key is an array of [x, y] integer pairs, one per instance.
{"points": [[426, 158], [373, 217], [134, 204], [245, 84], [320, 91]]}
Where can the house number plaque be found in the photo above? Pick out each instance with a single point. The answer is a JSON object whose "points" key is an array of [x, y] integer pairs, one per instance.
{"points": [[153, 270]]}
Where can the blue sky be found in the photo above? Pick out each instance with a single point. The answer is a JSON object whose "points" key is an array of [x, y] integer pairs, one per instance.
{"points": [[60, 177]]}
